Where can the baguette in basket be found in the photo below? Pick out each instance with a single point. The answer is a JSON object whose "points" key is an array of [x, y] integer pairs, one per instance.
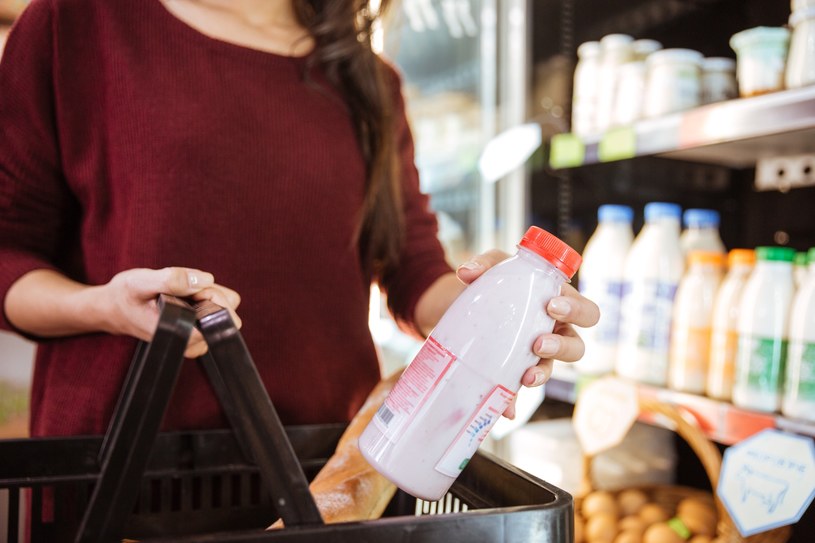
{"points": [[348, 488]]}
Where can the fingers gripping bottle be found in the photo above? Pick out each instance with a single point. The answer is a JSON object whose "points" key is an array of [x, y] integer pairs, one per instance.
{"points": [[468, 370]]}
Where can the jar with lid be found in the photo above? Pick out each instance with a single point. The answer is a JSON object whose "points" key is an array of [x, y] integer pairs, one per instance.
{"points": [[615, 50], [586, 89], [718, 80], [800, 68], [641, 49], [761, 55], [629, 93], [468, 370], [673, 81]]}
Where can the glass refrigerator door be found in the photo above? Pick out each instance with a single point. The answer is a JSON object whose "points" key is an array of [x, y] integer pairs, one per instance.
{"points": [[446, 52], [460, 59]]}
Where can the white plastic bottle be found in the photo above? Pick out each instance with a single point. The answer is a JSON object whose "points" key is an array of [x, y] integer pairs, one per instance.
{"points": [[724, 341], [601, 280], [615, 50], [799, 390], [468, 370], [800, 268], [693, 321], [763, 329], [701, 231], [653, 268], [586, 88]]}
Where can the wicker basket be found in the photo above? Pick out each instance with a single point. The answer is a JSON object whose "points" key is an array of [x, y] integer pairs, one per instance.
{"points": [[669, 496]]}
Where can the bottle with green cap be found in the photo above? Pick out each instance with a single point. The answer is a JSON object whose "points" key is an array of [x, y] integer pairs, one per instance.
{"points": [[799, 392], [800, 268], [763, 330]]}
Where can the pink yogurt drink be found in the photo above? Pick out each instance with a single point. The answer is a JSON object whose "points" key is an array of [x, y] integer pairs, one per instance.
{"points": [[468, 370]]}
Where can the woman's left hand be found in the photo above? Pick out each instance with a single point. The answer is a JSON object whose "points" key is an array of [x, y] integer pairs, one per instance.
{"points": [[570, 309]]}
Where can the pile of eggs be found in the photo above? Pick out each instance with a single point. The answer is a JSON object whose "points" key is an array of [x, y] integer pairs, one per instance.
{"points": [[630, 516]]}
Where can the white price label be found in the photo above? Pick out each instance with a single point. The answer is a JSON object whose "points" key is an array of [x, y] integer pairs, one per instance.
{"points": [[604, 413], [768, 480]]}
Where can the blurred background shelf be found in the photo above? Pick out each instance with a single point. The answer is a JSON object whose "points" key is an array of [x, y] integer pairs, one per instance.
{"points": [[721, 421], [734, 134]]}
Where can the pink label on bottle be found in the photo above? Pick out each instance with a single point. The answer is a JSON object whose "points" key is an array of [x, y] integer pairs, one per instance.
{"points": [[430, 366], [479, 425]]}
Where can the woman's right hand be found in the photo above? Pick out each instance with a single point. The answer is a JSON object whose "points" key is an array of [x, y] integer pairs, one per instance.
{"points": [[129, 301]]}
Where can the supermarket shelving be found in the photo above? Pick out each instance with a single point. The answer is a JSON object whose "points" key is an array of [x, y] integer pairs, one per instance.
{"points": [[721, 421], [734, 133]]}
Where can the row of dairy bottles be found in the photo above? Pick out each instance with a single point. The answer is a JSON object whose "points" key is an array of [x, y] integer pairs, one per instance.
{"points": [[671, 316]]}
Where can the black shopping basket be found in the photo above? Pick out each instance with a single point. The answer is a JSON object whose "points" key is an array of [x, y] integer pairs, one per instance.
{"points": [[229, 485]]}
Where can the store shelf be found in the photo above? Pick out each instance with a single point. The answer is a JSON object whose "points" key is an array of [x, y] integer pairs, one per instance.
{"points": [[721, 421], [734, 133]]}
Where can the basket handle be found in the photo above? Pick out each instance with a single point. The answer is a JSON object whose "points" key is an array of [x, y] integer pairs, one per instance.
{"points": [[689, 430]]}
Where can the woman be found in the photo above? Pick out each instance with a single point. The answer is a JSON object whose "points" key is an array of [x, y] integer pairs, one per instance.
{"points": [[251, 150]]}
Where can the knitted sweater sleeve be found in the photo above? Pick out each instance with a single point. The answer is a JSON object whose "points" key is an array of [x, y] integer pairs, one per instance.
{"points": [[423, 260], [34, 199]]}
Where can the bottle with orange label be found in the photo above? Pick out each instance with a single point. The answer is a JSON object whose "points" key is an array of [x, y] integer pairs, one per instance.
{"points": [[725, 337], [692, 321]]}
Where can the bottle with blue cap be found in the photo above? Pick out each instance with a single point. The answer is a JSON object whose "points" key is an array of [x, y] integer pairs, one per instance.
{"points": [[653, 268], [701, 232], [601, 279]]}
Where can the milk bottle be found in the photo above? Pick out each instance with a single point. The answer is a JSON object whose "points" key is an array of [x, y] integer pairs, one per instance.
{"points": [[701, 231], [468, 370], [800, 269], [799, 390], [724, 341], [653, 268], [763, 327], [601, 280], [692, 322]]}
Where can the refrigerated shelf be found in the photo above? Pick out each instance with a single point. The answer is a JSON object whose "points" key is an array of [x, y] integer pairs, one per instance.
{"points": [[735, 133], [721, 421]]}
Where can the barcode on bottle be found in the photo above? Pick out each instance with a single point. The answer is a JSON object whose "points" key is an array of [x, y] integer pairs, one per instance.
{"points": [[385, 414]]}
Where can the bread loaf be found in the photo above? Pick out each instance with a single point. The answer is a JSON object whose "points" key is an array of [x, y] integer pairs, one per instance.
{"points": [[347, 488]]}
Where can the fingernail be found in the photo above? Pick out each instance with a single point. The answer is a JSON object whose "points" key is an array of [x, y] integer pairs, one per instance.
{"points": [[510, 412], [540, 378], [548, 347], [559, 307], [198, 279], [471, 265]]}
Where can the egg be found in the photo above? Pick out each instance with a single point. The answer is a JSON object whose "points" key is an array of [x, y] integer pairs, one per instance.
{"points": [[652, 513], [579, 529], [628, 536], [698, 515], [601, 528], [700, 539], [599, 501], [632, 523], [631, 501], [661, 533]]}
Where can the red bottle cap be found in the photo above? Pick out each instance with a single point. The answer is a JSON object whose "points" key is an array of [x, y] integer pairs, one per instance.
{"points": [[552, 249]]}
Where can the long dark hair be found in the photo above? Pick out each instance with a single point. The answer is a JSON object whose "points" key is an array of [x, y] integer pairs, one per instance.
{"points": [[342, 31]]}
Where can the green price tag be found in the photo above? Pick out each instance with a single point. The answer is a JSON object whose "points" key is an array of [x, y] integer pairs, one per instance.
{"points": [[618, 144], [568, 151]]}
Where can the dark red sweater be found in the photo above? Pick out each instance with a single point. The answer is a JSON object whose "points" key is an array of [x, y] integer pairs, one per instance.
{"points": [[128, 139]]}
